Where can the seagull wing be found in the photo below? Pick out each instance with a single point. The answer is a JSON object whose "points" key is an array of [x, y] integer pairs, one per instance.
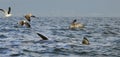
{"points": [[9, 10], [42, 36], [28, 18], [2, 10]]}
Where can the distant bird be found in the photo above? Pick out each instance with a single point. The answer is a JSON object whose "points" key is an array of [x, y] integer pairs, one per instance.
{"points": [[42, 36], [7, 13], [28, 16], [23, 22], [75, 25], [85, 41]]}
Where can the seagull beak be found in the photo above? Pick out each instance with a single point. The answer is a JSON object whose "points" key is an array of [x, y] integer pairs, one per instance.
{"points": [[35, 17]]}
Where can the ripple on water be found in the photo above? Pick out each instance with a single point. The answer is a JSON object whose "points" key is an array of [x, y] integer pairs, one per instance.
{"points": [[2, 36], [4, 50], [103, 34]]}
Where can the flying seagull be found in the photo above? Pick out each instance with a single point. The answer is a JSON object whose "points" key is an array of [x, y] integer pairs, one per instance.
{"points": [[23, 22], [28, 16], [7, 13]]}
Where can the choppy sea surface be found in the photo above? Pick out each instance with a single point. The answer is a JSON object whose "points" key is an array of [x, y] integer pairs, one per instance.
{"points": [[102, 32]]}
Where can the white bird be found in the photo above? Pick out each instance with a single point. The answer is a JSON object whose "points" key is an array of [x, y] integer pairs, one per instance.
{"points": [[7, 13], [28, 16], [23, 22], [75, 25]]}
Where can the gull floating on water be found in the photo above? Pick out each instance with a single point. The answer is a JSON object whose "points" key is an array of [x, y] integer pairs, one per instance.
{"points": [[75, 25], [23, 22], [28, 16], [7, 13], [85, 41]]}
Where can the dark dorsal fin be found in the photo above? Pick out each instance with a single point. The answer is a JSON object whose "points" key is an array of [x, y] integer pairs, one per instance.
{"points": [[9, 10], [42, 36]]}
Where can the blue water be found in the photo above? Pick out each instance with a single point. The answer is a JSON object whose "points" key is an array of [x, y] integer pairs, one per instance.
{"points": [[102, 32]]}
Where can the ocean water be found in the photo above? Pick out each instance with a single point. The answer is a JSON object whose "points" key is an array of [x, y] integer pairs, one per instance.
{"points": [[102, 32]]}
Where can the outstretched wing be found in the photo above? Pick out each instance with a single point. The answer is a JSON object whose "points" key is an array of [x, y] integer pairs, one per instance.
{"points": [[9, 10], [42, 36], [2, 10]]}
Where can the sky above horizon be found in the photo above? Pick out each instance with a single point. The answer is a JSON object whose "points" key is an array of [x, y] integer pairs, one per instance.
{"points": [[94, 8]]}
